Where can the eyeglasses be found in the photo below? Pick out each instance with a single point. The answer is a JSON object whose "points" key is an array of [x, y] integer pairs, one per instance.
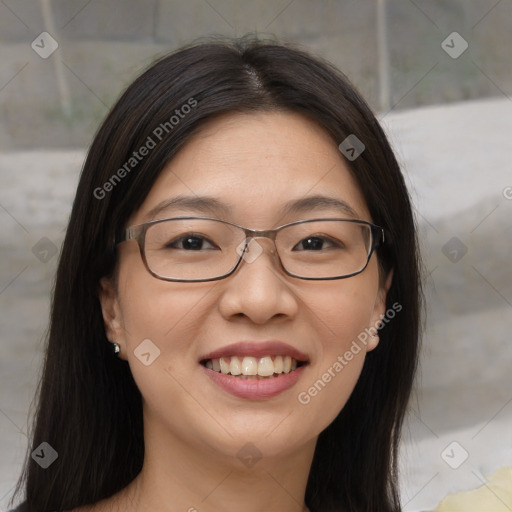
{"points": [[190, 249]]}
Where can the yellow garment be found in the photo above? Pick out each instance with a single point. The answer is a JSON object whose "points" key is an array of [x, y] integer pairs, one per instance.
{"points": [[495, 496]]}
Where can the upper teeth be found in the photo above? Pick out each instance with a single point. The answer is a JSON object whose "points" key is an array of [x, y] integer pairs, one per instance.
{"points": [[263, 366]]}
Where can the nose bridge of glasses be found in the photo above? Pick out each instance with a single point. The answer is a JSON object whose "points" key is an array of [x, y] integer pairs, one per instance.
{"points": [[260, 235]]}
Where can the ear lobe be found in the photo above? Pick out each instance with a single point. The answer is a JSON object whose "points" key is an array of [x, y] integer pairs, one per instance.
{"points": [[111, 311]]}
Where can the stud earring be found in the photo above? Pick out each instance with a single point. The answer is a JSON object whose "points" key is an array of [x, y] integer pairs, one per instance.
{"points": [[117, 348]]}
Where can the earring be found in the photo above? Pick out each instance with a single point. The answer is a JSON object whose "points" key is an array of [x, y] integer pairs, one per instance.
{"points": [[117, 348]]}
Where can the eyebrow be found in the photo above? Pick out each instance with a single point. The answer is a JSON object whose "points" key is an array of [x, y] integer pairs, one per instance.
{"points": [[317, 202], [212, 206]]}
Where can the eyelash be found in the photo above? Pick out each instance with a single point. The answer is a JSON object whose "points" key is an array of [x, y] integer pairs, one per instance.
{"points": [[169, 245]]}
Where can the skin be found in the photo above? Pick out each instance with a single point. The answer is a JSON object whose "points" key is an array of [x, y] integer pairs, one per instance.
{"points": [[193, 429]]}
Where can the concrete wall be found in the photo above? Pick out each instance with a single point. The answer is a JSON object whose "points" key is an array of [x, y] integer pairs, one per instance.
{"points": [[104, 45]]}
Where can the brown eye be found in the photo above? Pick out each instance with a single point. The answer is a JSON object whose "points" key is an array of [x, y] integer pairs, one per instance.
{"points": [[189, 242]]}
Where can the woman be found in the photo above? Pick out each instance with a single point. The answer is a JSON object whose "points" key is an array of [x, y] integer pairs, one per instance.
{"points": [[235, 316]]}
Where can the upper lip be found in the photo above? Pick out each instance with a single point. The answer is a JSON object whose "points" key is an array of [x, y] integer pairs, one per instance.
{"points": [[256, 349]]}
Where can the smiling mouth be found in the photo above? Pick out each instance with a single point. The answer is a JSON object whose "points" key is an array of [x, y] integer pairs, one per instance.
{"points": [[248, 367]]}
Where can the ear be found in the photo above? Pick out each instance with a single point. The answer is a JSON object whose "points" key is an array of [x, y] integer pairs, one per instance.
{"points": [[111, 311], [379, 311]]}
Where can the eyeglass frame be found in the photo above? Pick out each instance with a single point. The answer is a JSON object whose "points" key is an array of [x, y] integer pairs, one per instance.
{"points": [[137, 233]]}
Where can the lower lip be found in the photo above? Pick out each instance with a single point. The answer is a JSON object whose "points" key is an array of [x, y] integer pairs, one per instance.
{"points": [[255, 389]]}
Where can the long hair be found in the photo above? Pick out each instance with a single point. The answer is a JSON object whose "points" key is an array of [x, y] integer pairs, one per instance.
{"points": [[89, 408]]}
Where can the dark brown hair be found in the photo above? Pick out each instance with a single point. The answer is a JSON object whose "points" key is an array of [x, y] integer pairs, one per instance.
{"points": [[89, 408]]}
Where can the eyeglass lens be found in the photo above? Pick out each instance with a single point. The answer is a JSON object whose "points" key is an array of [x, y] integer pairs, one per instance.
{"points": [[204, 249]]}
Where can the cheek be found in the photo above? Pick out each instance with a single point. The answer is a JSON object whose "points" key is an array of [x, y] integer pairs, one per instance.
{"points": [[342, 313], [152, 308], [160, 323]]}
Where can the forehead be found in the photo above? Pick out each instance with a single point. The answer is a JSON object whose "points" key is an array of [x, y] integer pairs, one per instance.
{"points": [[255, 166]]}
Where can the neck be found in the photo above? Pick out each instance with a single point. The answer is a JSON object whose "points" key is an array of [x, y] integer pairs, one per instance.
{"points": [[179, 477]]}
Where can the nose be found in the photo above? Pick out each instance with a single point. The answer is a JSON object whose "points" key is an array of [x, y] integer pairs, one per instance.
{"points": [[253, 247], [258, 289]]}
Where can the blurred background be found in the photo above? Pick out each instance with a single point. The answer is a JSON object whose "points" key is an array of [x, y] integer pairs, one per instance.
{"points": [[438, 75]]}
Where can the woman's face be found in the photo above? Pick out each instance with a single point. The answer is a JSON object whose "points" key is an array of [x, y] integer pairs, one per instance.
{"points": [[253, 164]]}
